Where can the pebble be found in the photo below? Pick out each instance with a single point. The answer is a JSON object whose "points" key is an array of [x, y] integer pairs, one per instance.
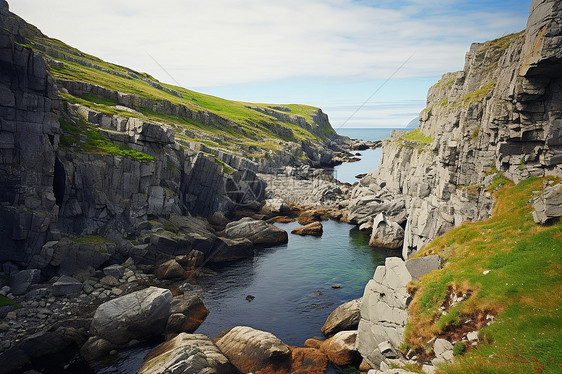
{"points": [[11, 315]]}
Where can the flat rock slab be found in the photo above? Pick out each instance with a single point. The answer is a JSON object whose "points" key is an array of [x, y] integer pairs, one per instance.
{"points": [[66, 286], [258, 232], [420, 266]]}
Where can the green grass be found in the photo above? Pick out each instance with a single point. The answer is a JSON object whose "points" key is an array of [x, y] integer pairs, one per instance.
{"points": [[92, 239], [416, 136], [95, 142], [4, 301], [522, 287], [476, 95]]}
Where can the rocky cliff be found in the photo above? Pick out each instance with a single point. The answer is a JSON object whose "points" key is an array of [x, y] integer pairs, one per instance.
{"points": [[498, 117], [92, 148]]}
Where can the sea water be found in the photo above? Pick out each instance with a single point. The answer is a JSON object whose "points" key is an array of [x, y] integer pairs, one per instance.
{"points": [[370, 158]]}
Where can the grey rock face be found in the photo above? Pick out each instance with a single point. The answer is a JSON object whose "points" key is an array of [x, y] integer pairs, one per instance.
{"points": [[138, 315], [344, 317], [422, 265], [187, 353], [384, 310], [67, 286], [22, 280], [443, 351], [386, 234], [548, 204], [28, 138], [499, 113]]}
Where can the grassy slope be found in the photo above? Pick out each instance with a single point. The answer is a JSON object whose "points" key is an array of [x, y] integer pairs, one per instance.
{"points": [[251, 127], [522, 289]]}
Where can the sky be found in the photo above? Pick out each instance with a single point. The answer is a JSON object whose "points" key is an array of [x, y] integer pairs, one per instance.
{"points": [[333, 54]]}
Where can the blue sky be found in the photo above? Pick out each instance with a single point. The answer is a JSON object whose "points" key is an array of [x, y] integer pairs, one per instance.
{"points": [[328, 53]]}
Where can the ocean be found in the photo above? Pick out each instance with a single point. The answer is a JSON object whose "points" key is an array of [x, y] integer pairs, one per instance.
{"points": [[370, 158]]}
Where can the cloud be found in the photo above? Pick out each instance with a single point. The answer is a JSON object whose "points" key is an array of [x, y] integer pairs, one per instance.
{"points": [[221, 42]]}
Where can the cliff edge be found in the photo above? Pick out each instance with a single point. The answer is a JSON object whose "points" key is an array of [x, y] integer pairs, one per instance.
{"points": [[499, 117]]}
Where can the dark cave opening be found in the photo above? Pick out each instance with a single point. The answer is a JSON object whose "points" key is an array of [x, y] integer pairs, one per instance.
{"points": [[59, 181]]}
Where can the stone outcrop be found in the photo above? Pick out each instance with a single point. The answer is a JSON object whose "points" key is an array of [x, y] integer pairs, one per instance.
{"points": [[548, 204], [187, 353], [313, 229], [500, 114], [384, 312], [255, 351], [386, 233], [344, 317]]}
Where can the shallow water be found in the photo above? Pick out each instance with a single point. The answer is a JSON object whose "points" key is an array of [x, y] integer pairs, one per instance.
{"points": [[291, 285], [370, 160]]}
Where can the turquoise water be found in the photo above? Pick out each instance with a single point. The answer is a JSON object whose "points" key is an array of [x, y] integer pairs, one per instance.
{"points": [[292, 283], [370, 158]]}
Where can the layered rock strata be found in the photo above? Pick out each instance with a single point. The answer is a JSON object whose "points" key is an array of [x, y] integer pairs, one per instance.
{"points": [[500, 114]]}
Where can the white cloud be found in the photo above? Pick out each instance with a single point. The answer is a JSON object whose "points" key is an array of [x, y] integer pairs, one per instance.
{"points": [[220, 42], [326, 53]]}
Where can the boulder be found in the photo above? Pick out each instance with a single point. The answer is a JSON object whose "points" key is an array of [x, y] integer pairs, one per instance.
{"points": [[443, 350], [187, 353], [138, 315], [548, 204], [193, 260], [258, 232], [308, 361], [340, 348], [116, 271], [110, 281], [170, 270], [386, 233], [310, 216], [187, 313], [231, 250], [22, 280], [314, 229], [344, 317], [66, 286], [420, 266], [255, 351]]}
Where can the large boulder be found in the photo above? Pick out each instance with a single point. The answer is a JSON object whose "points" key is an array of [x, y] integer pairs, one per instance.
{"points": [[187, 353], [170, 269], [258, 232], [344, 317], [548, 204], [22, 280], [313, 229], [340, 348], [187, 313], [255, 351], [138, 315], [386, 233]]}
